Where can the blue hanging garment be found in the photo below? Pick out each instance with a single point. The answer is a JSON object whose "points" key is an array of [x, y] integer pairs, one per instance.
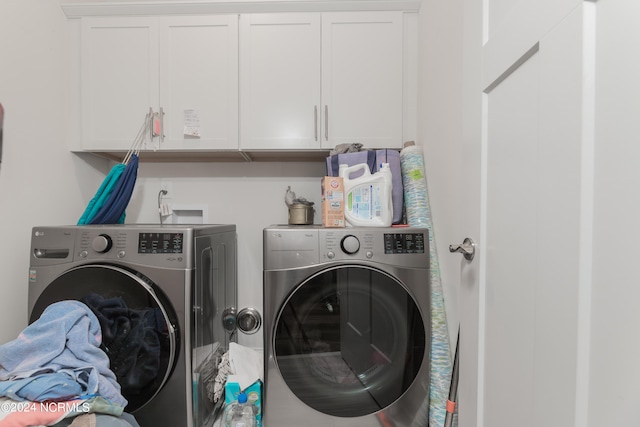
{"points": [[113, 210], [103, 193], [110, 201]]}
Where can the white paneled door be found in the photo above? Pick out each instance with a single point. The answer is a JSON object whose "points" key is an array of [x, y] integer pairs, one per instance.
{"points": [[529, 144]]}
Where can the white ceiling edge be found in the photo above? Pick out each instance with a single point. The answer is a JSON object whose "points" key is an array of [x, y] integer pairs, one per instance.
{"points": [[78, 9]]}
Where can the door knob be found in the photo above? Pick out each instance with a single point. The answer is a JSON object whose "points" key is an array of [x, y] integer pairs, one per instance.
{"points": [[467, 249]]}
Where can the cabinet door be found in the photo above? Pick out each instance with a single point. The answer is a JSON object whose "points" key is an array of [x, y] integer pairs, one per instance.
{"points": [[119, 69], [280, 81], [199, 82], [362, 79]]}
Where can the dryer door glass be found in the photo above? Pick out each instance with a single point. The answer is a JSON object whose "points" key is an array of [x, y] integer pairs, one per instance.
{"points": [[137, 325], [350, 341]]}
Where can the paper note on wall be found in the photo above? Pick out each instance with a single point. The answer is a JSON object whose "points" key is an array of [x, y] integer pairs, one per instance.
{"points": [[191, 123]]}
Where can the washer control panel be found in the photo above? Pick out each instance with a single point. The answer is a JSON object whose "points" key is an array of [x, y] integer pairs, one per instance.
{"points": [[102, 243], [160, 243], [167, 246]]}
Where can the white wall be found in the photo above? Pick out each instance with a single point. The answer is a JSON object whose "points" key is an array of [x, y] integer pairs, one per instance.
{"points": [[440, 134], [40, 181], [614, 389]]}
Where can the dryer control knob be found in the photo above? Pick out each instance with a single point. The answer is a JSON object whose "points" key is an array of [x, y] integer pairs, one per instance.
{"points": [[101, 244], [350, 244]]}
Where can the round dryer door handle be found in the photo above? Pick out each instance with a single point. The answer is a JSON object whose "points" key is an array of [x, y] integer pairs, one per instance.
{"points": [[467, 249], [249, 320]]}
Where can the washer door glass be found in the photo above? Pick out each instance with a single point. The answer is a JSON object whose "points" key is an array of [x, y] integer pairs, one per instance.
{"points": [[349, 341], [137, 325]]}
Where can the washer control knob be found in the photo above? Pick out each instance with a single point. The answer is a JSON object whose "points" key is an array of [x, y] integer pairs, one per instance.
{"points": [[331, 255], [350, 244], [101, 244]]}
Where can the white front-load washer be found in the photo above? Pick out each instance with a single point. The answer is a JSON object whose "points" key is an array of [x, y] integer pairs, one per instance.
{"points": [[165, 297], [347, 326]]}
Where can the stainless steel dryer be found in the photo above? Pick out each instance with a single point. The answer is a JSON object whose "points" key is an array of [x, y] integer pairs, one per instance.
{"points": [[347, 326], [177, 281]]}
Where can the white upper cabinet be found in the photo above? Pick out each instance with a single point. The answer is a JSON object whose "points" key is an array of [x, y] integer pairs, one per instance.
{"points": [[119, 79], [280, 81], [255, 81], [362, 79], [315, 80], [199, 81], [186, 67]]}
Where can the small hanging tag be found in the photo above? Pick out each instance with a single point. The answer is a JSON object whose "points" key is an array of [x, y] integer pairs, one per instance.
{"points": [[191, 123]]}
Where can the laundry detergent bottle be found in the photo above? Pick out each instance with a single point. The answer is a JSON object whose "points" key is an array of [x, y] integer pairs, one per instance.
{"points": [[368, 196]]}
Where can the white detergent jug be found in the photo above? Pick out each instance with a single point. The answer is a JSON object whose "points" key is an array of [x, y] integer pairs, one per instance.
{"points": [[368, 197]]}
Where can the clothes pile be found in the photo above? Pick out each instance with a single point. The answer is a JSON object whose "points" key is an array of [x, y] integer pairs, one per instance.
{"points": [[55, 370], [132, 339]]}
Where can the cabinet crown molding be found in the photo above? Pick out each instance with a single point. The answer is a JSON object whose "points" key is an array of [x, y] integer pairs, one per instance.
{"points": [[76, 9]]}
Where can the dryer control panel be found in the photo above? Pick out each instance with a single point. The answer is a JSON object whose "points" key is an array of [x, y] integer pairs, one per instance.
{"points": [[404, 243], [294, 246], [387, 245]]}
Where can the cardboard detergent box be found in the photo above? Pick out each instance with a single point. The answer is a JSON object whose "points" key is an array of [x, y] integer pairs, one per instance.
{"points": [[253, 392], [332, 201]]}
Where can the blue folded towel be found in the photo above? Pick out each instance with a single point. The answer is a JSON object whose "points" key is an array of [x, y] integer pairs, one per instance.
{"points": [[66, 340]]}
